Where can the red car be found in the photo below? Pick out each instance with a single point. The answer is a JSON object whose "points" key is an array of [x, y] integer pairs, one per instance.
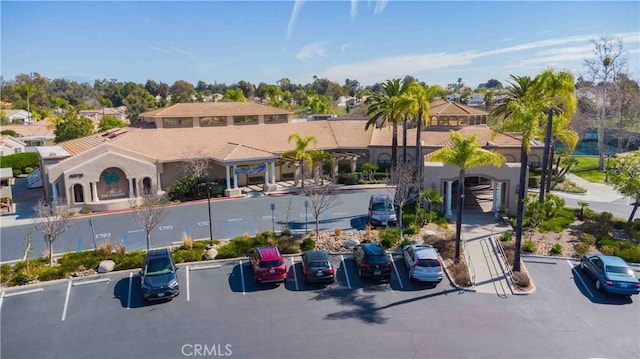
{"points": [[268, 265]]}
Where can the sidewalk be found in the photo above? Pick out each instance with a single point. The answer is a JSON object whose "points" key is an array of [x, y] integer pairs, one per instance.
{"points": [[596, 192]]}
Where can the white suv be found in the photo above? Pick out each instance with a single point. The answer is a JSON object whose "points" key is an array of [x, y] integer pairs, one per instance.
{"points": [[423, 262]]}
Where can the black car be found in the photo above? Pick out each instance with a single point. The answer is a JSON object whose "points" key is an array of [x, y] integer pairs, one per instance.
{"points": [[159, 279], [317, 268], [372, 261]]}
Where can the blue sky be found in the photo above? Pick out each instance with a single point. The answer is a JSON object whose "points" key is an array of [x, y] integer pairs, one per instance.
{"points": [[264, 41]]}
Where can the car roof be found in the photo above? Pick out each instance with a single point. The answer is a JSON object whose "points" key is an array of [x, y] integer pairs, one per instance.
{"points": [[425, 251], [268, 253], [380, 197], [317, 255], [612, 260], [373, 248]]}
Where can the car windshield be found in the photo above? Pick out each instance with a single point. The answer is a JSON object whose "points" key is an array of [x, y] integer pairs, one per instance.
{"points": [[158, 266], [382, 206], [377, 259], [269, 264], [319, 264], [428, 263], [619, 271]]}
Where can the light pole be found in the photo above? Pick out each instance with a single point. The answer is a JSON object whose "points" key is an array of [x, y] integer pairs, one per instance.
{"points": [[273, 218], [306, 219], [209, 187], [606, 177]]}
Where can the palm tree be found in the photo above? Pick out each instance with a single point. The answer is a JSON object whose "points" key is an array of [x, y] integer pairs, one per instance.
{"points": [[385, 107], [28, 90], [465, 153], [301, 153]]}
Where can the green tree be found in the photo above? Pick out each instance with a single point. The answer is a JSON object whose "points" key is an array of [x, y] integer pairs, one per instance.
{"points": [[301, 152], [137, 102], [385, 107], [28, 90], [69, 126], [626, 179], [108, 122], [181, 91], [234, 95], [316, 104], [104, 102], [465, 153], [433, 198]]}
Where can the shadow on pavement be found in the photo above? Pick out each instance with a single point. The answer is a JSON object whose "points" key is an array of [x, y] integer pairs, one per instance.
{"points": [[598, 297], [242, 281], [121, 292]]}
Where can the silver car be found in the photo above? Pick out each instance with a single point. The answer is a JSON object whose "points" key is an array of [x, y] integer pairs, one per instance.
{"points": [[423, 262]]}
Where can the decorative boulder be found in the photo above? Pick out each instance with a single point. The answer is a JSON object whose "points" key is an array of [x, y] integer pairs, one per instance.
{"points": [[106, 266], [210, 253], [351, 243]]}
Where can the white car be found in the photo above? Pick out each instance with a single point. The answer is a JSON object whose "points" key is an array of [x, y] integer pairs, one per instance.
{"points": [[423, 262]]}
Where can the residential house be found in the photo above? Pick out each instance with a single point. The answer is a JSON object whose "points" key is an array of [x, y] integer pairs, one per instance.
{"points": [[10, 145]]}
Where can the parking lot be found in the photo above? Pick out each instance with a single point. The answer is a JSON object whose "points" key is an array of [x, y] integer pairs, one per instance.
{"points": [[219, 304]]}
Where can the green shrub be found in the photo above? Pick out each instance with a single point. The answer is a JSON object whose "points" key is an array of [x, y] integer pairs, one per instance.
{"points": [[630, 254], [185, 256], [408, 218], [405, 242], [506, 236], [556, 249], [5, 272], [608, 250], [307, 244], [17, 173], [51, 273], [85, 211], [20, 161], [534, 182], [228, 251], [412, 228], [22, 278], [28, 170], [606, 240], [529, 246], [582, 248], [588, 239], [287, 245], [348, 178], [130, 260], [557, 224], [389, 237]]}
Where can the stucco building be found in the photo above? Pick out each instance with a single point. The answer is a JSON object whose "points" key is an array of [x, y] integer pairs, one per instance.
{"points": [[243, 143]]}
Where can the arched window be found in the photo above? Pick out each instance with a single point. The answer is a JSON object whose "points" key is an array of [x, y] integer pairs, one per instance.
{"points": [[78, 193], [146, 185]]}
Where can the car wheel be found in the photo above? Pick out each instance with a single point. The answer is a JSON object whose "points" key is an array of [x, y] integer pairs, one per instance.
{"points": [[598, 285]]}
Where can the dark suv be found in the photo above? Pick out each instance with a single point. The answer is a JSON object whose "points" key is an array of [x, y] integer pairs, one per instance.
{"points": [[317, 267], [268, 265], [158, 276], [372, 261]]}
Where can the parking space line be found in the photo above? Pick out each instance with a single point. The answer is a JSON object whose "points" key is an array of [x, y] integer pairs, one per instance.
{"points": [[345, 271], [188, 291], [396, 269], [66, 300], [295, 277], [92, 281], [242, 278], [210, 266], [23, 292], [175, 243], [130, 285], [573, 269]]}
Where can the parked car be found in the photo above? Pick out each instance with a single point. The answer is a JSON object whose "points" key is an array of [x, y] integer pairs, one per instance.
{"points": [[382, 211], [612, 274], [372, 261], [159, 279], [317, 268], [268, 265], [423, 263]]}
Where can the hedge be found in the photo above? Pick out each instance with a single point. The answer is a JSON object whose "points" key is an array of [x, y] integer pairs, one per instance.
{"points": [[20, 161]]}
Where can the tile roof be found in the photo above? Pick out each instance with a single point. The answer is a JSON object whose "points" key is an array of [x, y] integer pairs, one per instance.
{"points": [[214, 109], [446, 108], [35, 129], [441, 137]]}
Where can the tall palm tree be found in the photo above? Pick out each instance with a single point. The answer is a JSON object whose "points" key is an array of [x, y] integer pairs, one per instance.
{"points": [[385, 107], [301, 152], [465, 153]]}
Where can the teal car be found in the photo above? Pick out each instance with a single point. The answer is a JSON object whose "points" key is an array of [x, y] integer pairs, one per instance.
{"points": [[612, 274]]}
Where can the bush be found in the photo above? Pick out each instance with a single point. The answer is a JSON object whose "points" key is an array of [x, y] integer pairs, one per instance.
{"points": [[5, 272], [582, 248], [557, 224], [408, 219], [307, 244], [556, 249], [460, 274], [20, 161], [529, 246], [105, 248], [389, 237], [88, 259], [187, 255], [521, 279], [506, 236], [22, 278], [28, 170], [348, 178], [121, 250], [51, 273], [630, 254], [607, 250], [17, 173], [534, 182], [85, 211], [588, 239], [412, 228], [288, 245], [130, 261]]}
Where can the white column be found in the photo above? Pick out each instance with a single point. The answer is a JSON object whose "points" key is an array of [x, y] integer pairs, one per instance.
{"points": [[273, 172], [226, 167], [131, 193], [94, 190], [266, 173], [494, 186], [235, 177], [498, 202], [448, 212], [159, 184], [54, 192]]}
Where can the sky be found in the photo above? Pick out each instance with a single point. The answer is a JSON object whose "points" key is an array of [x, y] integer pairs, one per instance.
{"points": [[264, 41]]}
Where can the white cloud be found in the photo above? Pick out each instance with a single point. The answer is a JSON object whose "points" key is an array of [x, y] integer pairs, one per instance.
{"points": [[312, 51], [158, 48], [380, 5], [297, 5], [354, 9]]}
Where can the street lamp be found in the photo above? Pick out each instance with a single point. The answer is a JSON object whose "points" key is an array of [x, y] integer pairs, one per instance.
{"points": [[606, 177], [209, 187], [306, 219], [273, 218]]}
